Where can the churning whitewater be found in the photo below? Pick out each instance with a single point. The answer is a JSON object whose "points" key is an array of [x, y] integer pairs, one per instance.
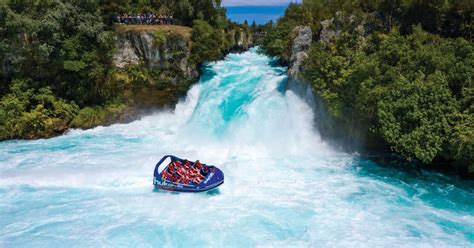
{"points": [[284, 186]]}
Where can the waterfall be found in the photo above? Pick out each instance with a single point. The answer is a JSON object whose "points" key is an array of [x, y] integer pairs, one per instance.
{"points": [[284, 185]]}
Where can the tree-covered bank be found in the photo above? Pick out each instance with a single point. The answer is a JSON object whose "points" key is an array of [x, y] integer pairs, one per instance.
{"points": [[395, 74], [57, 61]]}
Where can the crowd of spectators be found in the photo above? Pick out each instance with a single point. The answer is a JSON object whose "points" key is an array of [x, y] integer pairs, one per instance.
{"points": [[147, 18]]}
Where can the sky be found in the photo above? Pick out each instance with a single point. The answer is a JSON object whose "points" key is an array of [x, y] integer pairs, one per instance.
{"points": [[257, 2]]}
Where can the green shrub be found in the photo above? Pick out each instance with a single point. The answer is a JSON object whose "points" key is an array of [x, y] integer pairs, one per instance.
{"points": [[413, 91], [207, 42], [30, 113], [100, 115]]}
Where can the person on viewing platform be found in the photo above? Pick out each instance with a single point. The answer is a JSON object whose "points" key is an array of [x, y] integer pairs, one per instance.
{"points": [[143, 18]]}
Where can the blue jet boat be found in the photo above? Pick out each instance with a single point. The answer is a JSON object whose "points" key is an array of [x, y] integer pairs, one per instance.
{"points": [[168, 175]]}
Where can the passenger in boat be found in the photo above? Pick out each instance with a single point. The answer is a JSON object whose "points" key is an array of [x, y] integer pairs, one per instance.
{"points": [[193, 171], [195, 175], [198, 165], [188, 166], [169, 168], [185, 180], [179, 167], [174, 173], [197, 180], [199, 175], [184, 174], [168, 176], [180, 171], [176, 178], [204, 171], [177, 164], [163, 175]]}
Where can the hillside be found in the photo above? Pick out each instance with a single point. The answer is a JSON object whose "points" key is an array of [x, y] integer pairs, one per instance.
{"points": [[384, 78], [67, 64]]}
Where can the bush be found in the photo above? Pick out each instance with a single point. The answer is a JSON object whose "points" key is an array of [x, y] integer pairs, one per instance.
{"points": [[100, 115], [207, 42], [30, 113], [414, 91]]}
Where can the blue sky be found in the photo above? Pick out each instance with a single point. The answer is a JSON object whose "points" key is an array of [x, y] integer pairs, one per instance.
{"points": [[257, 2]]}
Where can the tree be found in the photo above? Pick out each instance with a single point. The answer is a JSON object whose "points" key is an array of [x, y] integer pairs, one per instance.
{"points": [[414, 115], [206, 42], [63, 45], [253, 27]]}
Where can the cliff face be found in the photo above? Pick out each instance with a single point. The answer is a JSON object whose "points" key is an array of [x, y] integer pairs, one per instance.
{"points": [[347, 135], [152, 69], [167, 51], [300, 46], [299, 52], [154, 64], [328, 31], [156, 51], [240, 40]]}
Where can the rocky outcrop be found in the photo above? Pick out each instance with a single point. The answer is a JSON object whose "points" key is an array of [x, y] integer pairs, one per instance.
{"points": [[154, 66], [240, 40], [157, 51], [348, 134], [327, 31], [300, 46], [125, 55], [360, 26], [244, 39]]}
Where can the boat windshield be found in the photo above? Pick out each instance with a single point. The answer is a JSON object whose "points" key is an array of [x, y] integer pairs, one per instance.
{"points": [[163, 165]]}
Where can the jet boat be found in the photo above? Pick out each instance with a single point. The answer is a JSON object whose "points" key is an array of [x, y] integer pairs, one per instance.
{"points": [[176, 174]]}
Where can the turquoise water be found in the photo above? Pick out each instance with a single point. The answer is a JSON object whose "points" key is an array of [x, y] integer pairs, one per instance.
{"points": [[284, 186], [259, 14]]}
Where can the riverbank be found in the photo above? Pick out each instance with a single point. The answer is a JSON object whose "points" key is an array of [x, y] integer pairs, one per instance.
{"points": [[378, 86]]}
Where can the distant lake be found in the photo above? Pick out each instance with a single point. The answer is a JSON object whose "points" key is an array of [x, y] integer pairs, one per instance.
{"points": [[259, 14]]}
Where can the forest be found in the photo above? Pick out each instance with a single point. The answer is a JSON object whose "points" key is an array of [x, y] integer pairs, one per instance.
{"points": [[400, 72], [56, 66]]}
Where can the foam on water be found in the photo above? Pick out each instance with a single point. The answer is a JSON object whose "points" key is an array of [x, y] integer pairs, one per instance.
{"points": [[284, 186]]}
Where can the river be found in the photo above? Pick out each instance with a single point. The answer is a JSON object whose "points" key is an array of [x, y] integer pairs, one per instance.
{"points": [[284, 186]]}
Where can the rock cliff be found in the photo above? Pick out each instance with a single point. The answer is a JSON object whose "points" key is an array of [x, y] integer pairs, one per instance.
{"points": [[300, 45], [299, 48], [156, 51], [152, 68], [347, 134], [154, 65], [240, 40]]}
